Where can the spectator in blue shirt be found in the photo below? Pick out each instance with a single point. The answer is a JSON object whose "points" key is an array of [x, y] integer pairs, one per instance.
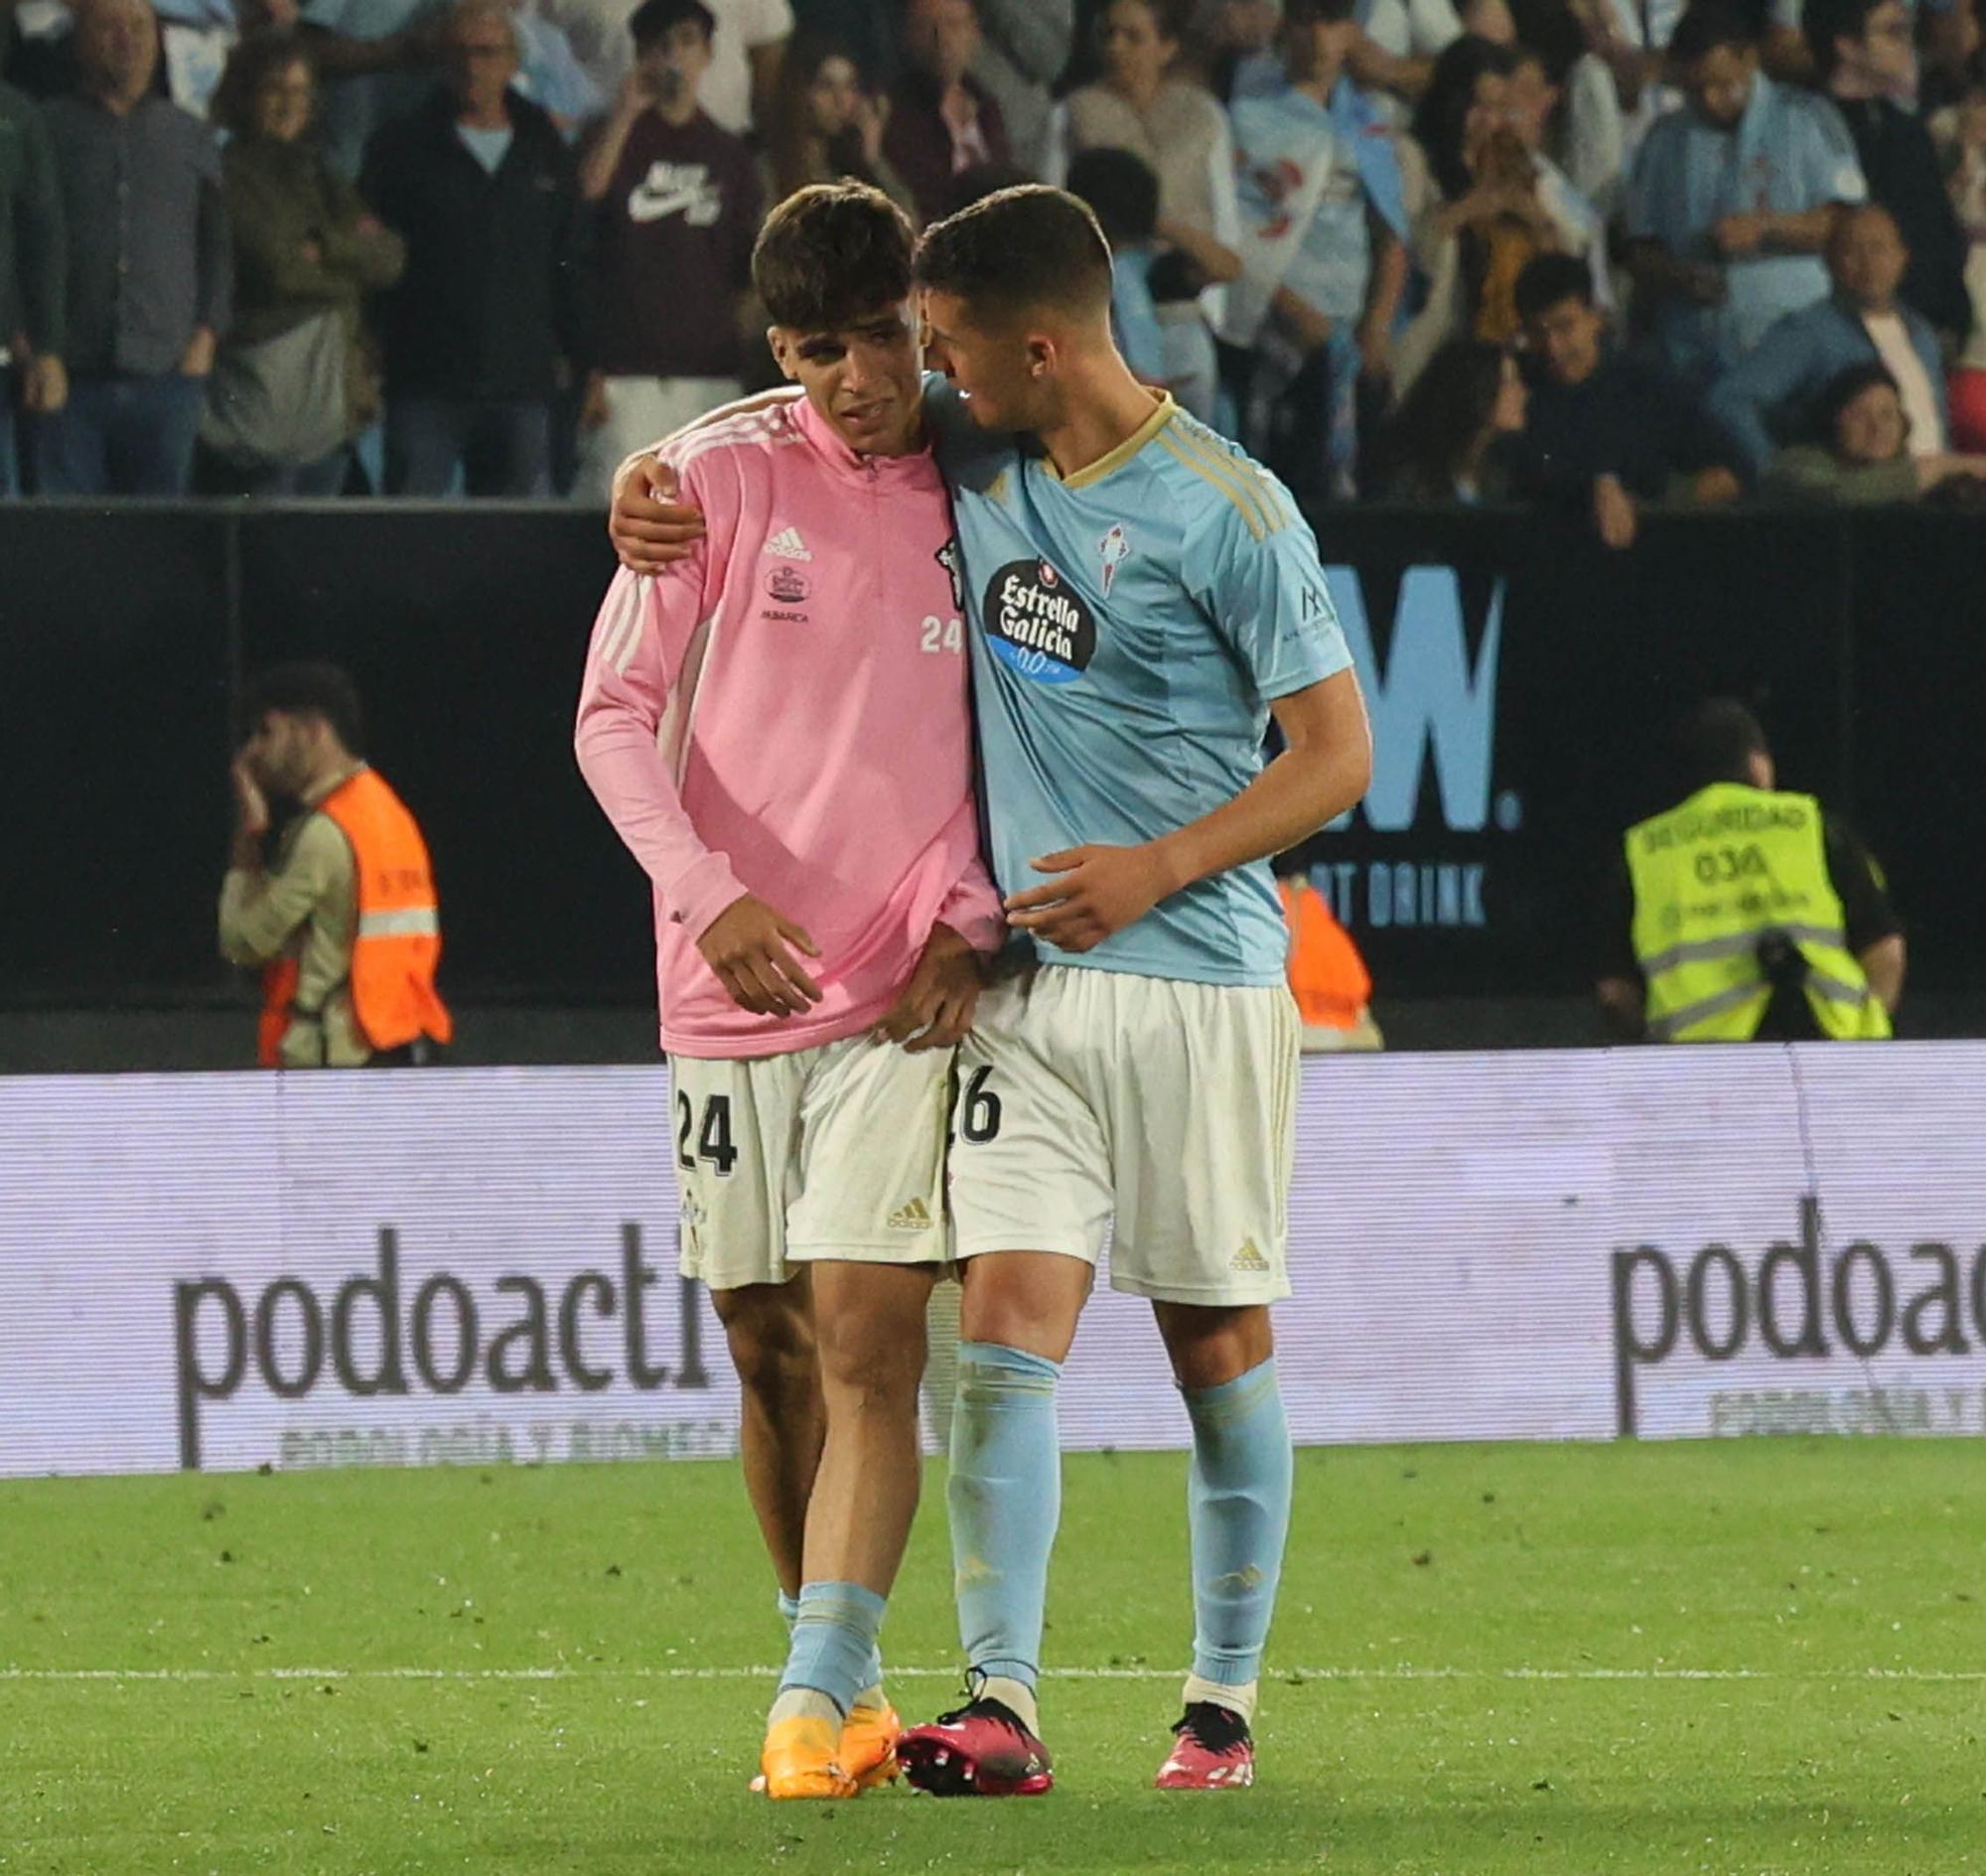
{"points": [[1324, 255], [1772, 396], [1732, 199]]}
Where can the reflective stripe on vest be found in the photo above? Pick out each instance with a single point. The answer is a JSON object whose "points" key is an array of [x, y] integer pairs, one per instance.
{"points": [[1328, 977], [397, 943], [1712, 878], [409, 922]]}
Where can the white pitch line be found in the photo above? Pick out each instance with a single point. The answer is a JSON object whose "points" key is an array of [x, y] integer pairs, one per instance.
{"points": [[1929, 1675]]}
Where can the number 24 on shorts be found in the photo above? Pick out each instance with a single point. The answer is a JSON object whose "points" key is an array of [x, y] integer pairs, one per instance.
{"points": [[713, 1138]]}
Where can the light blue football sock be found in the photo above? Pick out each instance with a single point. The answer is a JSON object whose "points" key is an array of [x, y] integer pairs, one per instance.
{"points": [[1005, 1501], [790, 1613], [834, 1641], [1238, 1515]]}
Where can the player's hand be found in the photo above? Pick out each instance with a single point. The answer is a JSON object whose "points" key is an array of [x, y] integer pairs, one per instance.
{"points": [[746, 945], [1095, 890], [937, 1004], [649, 528]]}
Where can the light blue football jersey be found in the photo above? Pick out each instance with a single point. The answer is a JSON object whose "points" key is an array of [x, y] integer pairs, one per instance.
{"points": [[1129, 627]]}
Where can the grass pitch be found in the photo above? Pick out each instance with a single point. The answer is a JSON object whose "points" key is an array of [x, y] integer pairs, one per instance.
{"points": [[1753, 1659]]}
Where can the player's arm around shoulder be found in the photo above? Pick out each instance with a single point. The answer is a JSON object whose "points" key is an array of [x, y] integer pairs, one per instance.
{"points": [[654, 522], [647, 619]]}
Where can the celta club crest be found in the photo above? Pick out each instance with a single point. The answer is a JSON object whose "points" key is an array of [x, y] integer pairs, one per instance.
{"points": [[1115, 547], [947, 557]]}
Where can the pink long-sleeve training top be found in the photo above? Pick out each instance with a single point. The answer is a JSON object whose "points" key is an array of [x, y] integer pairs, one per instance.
{"points": [[784, 713]]}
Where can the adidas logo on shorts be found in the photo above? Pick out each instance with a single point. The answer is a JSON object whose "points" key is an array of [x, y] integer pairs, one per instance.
{"points": [[1249, 1258], [788, 545], [915, 1217]]}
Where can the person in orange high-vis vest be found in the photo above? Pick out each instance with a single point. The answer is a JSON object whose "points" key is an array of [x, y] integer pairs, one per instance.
{"points": [[1328, 977], [345, 927]]}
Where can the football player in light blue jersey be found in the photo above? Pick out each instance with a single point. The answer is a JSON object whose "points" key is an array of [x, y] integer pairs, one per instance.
{"points": [[1143, 598]]}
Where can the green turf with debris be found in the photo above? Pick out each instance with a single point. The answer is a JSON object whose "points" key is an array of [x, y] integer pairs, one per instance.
{"points": [[1742, 1659]]}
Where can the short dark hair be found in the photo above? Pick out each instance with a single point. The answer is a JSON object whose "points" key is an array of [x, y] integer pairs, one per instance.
{"points": [[1122, 188], [831, 255], [1716, 740], [980, 180], [309, 688], [652, 18], [1823, 22], [1548, 279], [1708, 24], [1017, 249]]}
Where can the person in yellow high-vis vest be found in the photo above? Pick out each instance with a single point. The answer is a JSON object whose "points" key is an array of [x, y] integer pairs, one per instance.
{"points": [[345, 925], [1745, 913]]}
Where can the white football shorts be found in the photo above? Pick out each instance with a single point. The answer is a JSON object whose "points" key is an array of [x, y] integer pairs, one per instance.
{"points": [[835, 1152], [1092, 1098]]}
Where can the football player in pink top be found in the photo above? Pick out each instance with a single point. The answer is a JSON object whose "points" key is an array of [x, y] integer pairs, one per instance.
{"points": [[779, 728]]}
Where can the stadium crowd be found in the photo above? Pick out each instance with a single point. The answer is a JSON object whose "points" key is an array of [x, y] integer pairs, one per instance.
{"points": [[1586, 254]]}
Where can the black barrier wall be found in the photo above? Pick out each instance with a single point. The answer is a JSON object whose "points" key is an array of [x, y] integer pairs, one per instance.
{"points": [[1519, 678]]}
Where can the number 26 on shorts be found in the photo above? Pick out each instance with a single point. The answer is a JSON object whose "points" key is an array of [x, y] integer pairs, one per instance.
{"points": [[979, 1109]]}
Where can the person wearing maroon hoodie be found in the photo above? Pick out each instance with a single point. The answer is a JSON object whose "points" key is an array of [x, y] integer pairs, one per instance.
{"points": [[675, 203]]}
